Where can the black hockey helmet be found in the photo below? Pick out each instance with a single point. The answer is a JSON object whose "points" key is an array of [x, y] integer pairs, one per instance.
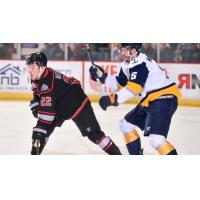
{"points": [[137, 46], [38, 58], [123, 45]]}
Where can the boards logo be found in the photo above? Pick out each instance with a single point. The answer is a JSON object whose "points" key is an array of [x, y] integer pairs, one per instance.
{"points": [[189, 81], [9, 75]]}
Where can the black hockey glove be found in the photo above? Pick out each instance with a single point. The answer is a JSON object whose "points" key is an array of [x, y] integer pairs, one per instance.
{"points": [[34, 107], [39, 140], [39, 133], [97, 72], [106, 101]]}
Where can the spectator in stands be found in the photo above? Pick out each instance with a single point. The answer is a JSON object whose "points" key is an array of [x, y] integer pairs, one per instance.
{"points": [[101, 51], [149, 50], [75, 52], [187, 50], [177, 56], [166, 54], [54, 51], [173, 46], [7, 50], [115, 50], [196, 53]]}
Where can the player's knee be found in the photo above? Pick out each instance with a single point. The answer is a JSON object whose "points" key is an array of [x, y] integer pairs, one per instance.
{"points": [[156, 141], [126, 127]]}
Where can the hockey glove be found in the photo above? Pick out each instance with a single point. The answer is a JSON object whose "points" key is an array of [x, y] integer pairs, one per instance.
{"points": [[106, 101], [39, 140], [97, 73], [34, 107], [39, 133]]}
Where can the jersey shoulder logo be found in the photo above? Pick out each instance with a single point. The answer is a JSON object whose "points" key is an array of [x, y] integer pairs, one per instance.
{"points": [[44, 87], [58, 75]]}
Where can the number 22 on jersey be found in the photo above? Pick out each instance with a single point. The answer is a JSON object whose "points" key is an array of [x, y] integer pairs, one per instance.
{"points": [[46, 101]]}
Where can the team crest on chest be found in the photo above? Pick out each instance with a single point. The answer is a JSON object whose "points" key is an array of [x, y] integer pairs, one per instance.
{"points": [[44, 88]]}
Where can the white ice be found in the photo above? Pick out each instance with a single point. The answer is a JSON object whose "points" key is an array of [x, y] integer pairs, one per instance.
{"points": [[16, 122]]}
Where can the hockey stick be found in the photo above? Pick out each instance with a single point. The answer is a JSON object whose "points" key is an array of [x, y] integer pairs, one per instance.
{"points": [[37, 147], [87, 48]]}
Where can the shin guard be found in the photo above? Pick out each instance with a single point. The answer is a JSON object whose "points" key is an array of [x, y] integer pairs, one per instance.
{"points": [[109, 146]]}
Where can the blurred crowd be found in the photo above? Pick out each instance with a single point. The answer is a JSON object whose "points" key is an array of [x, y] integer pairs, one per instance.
{"points": [[161, 52]]}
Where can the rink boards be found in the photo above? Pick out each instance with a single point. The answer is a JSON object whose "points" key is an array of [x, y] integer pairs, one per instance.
{"points": [[15, 82]]}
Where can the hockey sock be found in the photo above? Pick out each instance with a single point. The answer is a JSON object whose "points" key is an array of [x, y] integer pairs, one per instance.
{"points": [[133, 143], [109, 146], [167, 149]]}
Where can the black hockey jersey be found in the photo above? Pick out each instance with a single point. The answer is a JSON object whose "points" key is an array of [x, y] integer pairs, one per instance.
{"points": [[58, 96]]}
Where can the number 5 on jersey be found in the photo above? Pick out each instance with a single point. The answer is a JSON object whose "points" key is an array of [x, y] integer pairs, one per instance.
{"points": [[133, 75]]}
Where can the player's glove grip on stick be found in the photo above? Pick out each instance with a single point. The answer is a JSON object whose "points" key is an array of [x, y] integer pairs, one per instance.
{"points": [[97, 72]]}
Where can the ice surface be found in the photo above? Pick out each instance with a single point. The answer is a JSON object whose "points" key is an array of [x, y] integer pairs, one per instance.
{"points": [[16, 122]]}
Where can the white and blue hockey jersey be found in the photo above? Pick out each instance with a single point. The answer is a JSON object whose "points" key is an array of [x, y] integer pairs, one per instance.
{"points": [[144, 77]]}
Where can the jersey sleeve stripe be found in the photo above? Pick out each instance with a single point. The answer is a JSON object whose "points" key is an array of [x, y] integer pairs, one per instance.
{"points": [[46, 117], [45, 122], [48, 113], [134, 87], [34, 104], [80, 109]]}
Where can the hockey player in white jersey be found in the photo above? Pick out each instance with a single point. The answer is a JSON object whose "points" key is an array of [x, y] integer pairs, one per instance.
{"points": [[158, 100]]}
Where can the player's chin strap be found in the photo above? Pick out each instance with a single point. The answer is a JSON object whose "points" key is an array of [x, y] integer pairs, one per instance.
{"points": [[41, 72]]}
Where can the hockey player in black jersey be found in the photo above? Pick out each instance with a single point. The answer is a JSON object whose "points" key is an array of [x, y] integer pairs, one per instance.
{"points": [[57, 98], [142, 76]]}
